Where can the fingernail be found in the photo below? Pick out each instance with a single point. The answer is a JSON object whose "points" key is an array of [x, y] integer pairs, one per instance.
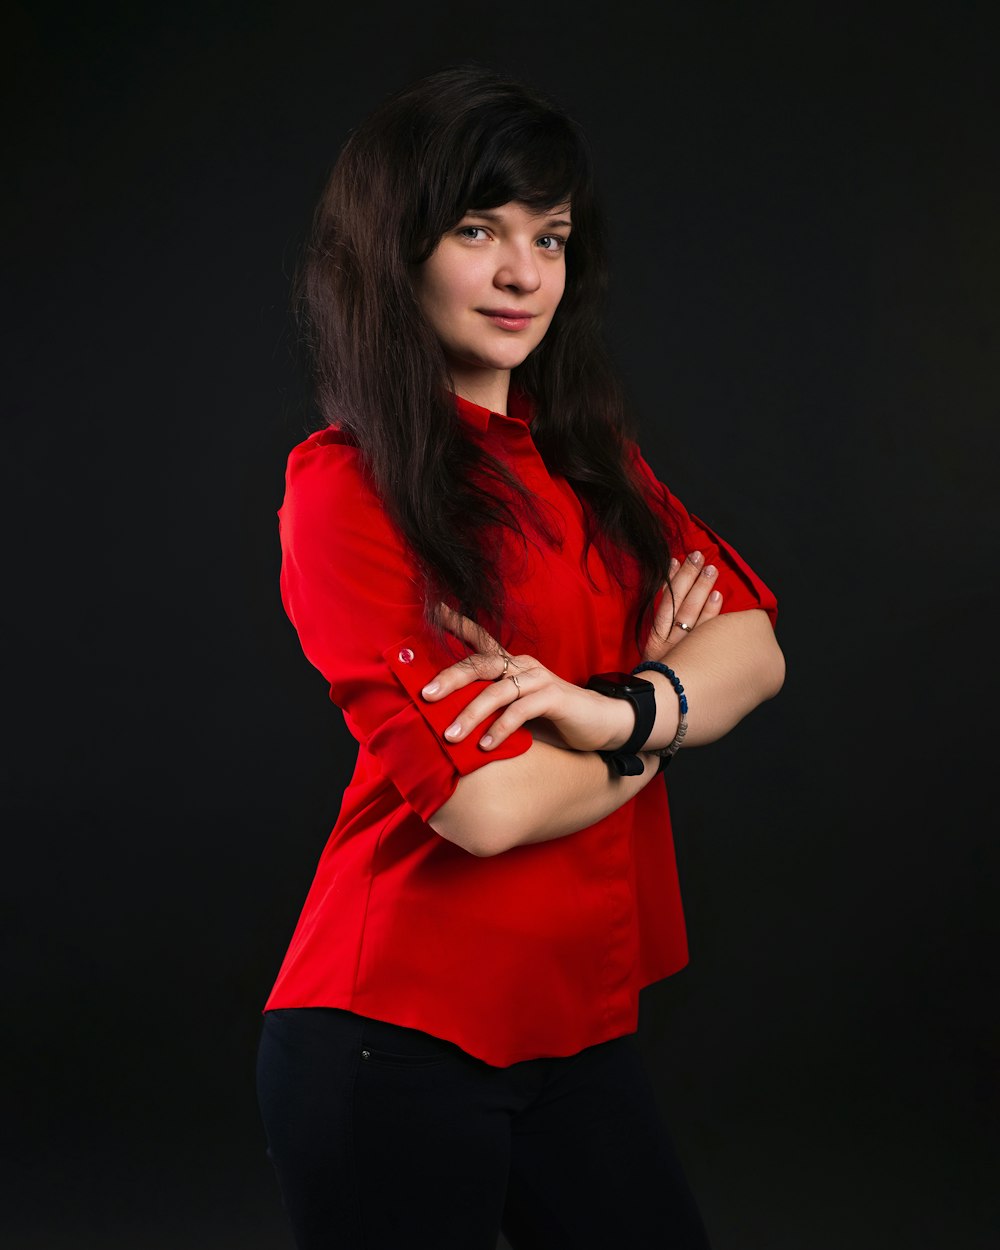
{"points": [[709, 570], [714, 597], [695, 557], [675, 564], [453, 731], [486, 740], [432, 687]]}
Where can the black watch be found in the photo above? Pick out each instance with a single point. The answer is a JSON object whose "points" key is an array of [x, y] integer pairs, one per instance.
{"points": [[642, 695]]}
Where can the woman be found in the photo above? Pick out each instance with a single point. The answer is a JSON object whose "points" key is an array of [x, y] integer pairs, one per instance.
{"points": [[477, 558]]}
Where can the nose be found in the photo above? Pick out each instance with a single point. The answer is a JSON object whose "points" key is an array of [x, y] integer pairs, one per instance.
{"points": [[518, 269]]}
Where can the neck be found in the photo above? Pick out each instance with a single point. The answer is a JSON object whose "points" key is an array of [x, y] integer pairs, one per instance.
{"points": [[487, 390]]}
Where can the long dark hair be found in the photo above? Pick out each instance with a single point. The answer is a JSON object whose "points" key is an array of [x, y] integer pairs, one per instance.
{"points": [[469, 138]]}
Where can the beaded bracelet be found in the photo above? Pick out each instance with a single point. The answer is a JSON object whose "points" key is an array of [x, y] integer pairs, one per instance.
{"points": [[667, 753]]}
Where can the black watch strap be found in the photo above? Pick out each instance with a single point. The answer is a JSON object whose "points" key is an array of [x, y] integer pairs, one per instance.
{"points": [[623, 765], [642, 695]]}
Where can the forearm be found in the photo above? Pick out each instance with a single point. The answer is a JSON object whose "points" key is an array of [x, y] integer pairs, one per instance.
{"points": [[546, 793], [728, 666]]}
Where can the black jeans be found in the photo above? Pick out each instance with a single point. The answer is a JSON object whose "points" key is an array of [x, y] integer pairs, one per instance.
{"points": [[385, 1138]]}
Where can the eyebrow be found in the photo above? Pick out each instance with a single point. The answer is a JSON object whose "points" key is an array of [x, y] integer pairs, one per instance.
{"points": [[487, 215]]}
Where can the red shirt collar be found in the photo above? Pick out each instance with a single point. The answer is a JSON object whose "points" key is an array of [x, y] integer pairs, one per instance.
{"points": [[519, 408]]}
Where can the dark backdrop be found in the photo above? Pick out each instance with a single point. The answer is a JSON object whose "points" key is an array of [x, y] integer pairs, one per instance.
{"points": [[805, 226]]}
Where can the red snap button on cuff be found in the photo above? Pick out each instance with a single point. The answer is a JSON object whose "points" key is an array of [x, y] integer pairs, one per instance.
{"points": [[406, 656]]}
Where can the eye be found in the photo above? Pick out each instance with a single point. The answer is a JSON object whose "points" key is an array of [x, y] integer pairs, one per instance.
{"points": [[552, 242], [471, 232]]}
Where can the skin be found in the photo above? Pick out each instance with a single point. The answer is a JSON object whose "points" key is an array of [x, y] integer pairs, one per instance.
{"points": [[513, 260], [560, 712], [505, 259]]}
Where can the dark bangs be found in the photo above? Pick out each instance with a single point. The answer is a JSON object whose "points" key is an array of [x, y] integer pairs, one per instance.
{"points": [[539, 164], [507, 144]]}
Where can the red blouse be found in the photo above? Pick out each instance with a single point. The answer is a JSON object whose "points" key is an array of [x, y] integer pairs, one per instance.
{"points": [[541, 950]]}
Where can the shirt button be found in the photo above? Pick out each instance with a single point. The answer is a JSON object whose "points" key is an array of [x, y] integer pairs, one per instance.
{"points": [[406, 656]]}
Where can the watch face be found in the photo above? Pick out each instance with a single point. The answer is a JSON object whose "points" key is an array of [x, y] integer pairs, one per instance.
{"points": [[618, 684]]}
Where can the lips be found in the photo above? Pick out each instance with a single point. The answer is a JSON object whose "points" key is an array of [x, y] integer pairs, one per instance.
{"points": [[508, 318]]}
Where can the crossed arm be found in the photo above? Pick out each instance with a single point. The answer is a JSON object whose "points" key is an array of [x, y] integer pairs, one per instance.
{"points": [[729, 664]]}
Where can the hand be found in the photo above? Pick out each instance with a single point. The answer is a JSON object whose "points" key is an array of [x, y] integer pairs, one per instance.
{"points": [[553, 709], [694, 600]]}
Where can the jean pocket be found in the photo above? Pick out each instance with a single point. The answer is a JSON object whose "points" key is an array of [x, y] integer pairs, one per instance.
{"points": [[393, 1045], [388, 1059]]}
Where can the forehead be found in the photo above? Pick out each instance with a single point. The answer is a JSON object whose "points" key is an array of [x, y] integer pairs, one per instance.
{"points": [[515, 211]]}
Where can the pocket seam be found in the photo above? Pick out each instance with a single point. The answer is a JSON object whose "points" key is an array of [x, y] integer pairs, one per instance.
{"points": [[389, 1059]]}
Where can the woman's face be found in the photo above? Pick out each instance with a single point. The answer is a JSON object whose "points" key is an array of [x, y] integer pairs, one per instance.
{"points": [[491, 287]]}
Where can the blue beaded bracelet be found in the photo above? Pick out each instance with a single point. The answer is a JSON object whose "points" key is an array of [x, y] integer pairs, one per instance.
{"points": [[667, 753]]}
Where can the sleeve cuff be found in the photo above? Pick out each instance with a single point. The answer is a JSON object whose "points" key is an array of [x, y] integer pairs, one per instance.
{"points": [[426, 776]]}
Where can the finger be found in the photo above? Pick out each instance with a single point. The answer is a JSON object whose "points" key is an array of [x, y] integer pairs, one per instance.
{"points": [[684, 597], [528, 708], [712, 608], [690, 607], [474, 667], [686, 574], [682, 576], [485, 663], [663, 619], [498, 696]]}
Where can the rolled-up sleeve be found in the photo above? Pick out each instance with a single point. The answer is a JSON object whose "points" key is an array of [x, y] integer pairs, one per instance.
{"points": [[353, 595], [741, 588]]}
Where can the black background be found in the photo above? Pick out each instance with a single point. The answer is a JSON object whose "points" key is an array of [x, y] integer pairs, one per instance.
{"points": [[804, 208]]}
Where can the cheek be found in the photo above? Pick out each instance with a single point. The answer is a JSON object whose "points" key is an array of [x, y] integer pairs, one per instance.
{"points": [[434, 298], [433, 281], [449, 291], [557, 290]]}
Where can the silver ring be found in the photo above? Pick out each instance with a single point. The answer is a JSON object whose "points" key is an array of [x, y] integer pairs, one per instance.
{"points": [[687, 628], [517, 685]]}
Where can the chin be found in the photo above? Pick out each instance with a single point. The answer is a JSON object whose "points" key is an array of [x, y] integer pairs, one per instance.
{"points": [[495, 362], [509, 357]]}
